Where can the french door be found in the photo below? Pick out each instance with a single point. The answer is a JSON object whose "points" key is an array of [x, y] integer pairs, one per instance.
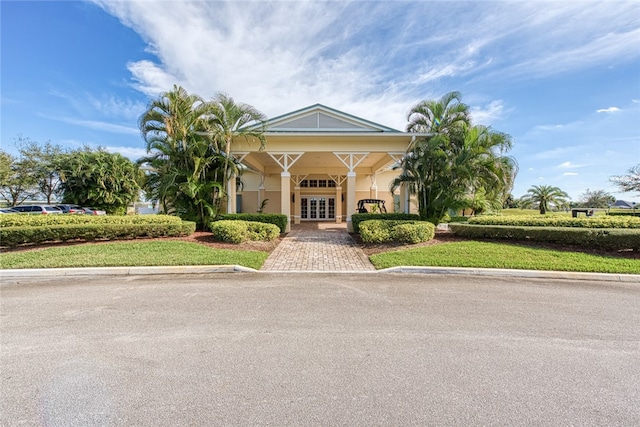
{"points": [[317, 208]]}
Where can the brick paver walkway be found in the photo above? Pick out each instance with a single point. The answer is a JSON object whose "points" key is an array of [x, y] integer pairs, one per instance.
{"points": [[318, 246]]}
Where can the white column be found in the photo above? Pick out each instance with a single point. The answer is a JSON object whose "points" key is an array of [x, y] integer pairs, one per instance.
{"points": [[351, 199], [231, 195], [285, 197], [339, 205], [296, 205]]}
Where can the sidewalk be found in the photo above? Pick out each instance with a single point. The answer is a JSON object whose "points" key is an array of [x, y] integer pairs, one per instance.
{"points": [[318, 246]]}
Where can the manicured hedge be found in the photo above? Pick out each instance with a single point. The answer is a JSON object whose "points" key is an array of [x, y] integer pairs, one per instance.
{"points": [[238, 231], [379, 231], [17, 220], [356, 219], [558, 221], [278, 219], [12, 236], [637, 213], [602, 238]]}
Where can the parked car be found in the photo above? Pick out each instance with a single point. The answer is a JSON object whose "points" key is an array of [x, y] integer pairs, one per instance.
{"points": [[71, 209], [37, 209], [8, 211], [94, 211]]}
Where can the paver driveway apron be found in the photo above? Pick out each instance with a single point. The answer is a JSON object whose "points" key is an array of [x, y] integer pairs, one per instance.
{"points": [[318, 246]]}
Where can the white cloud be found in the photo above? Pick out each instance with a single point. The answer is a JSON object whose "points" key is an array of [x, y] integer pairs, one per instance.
{"points": [[100, 125], [130, 152], [608, 110], [570, 174], [354, 56], [569, 165], [486, 115]]}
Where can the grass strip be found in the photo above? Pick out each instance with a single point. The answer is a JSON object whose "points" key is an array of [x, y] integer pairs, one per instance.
{"points": [[501, 255], [131, 254]]}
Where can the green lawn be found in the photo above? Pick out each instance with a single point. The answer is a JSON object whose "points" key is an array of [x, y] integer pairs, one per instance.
{"points": [[115, 254], [502, 255]]}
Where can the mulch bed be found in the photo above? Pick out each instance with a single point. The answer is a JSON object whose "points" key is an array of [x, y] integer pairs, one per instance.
{"points": [[442, 236]]}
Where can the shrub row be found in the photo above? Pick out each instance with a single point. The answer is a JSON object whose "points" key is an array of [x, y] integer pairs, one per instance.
{"points": [[18, 220], [601, 238], [356, 219], [238, 231], [12, 236], [278, 219], [624, 213], [558, 221], [378, 231]]}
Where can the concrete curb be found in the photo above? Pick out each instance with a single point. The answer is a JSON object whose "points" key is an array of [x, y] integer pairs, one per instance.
{"points": [[529, 274], [125, 271], [207, 269]]}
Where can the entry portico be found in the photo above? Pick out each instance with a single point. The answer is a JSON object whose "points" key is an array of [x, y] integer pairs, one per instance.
{"points": [[317, 163]]}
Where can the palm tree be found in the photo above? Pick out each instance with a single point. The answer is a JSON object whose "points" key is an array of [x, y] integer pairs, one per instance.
{"points": [[543, 196], [438, 116], [228, 121], [445, 169], [181, 161]]}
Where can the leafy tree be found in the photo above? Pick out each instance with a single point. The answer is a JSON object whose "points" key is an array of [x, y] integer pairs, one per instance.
{"points": [[544, 196], [629, 182], [596, 199], [17, 183], [42, 159], [456, 165], [98, 179]]}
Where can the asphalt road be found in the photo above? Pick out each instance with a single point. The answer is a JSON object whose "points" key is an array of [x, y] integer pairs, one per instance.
{"points": [[318, 349]]}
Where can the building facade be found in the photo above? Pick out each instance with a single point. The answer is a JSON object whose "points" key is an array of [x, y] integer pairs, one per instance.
{"points": [[317, 164]]}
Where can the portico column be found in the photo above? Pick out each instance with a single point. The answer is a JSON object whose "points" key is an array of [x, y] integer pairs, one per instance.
{"points": [[338, 205], [261, 191], [351, 199], [373, 191], [231, 195], [285, 197], [296, 205]]}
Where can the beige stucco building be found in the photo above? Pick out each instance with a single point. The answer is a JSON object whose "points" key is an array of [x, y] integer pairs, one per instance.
{"points": [[317, 163]]}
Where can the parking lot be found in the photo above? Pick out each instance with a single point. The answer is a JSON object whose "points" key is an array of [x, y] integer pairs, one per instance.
{"points": [[318, 349]]}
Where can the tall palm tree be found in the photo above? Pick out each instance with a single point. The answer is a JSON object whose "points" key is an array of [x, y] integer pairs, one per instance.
{"points": [[544, 196], [448, 167], [438, 116], [229, 121], [181, 162]]}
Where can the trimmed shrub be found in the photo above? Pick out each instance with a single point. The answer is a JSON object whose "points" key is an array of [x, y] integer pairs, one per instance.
{"points": [[278, 219], [13, 236], [18, 220], [356, 219], [413, 233], [558, 221], [379, 231], [237, 231], [599, 238]]}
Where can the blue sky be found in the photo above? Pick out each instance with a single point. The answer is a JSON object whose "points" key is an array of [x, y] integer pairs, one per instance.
{"points": [[562, 77]]}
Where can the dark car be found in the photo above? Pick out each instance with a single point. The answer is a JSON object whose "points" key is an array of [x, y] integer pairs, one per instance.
{"points": [[8, 211], [37, 209], [71, 209]]}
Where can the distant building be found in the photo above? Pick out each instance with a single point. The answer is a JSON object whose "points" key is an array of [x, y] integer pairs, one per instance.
{"points": [[622, 204]]}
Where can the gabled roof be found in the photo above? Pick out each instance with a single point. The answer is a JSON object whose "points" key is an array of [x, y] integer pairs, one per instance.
{"points": [[622, 204], [319, 118]]}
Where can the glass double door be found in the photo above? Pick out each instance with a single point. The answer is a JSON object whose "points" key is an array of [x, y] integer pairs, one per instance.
{"points": [[317, 208]]}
